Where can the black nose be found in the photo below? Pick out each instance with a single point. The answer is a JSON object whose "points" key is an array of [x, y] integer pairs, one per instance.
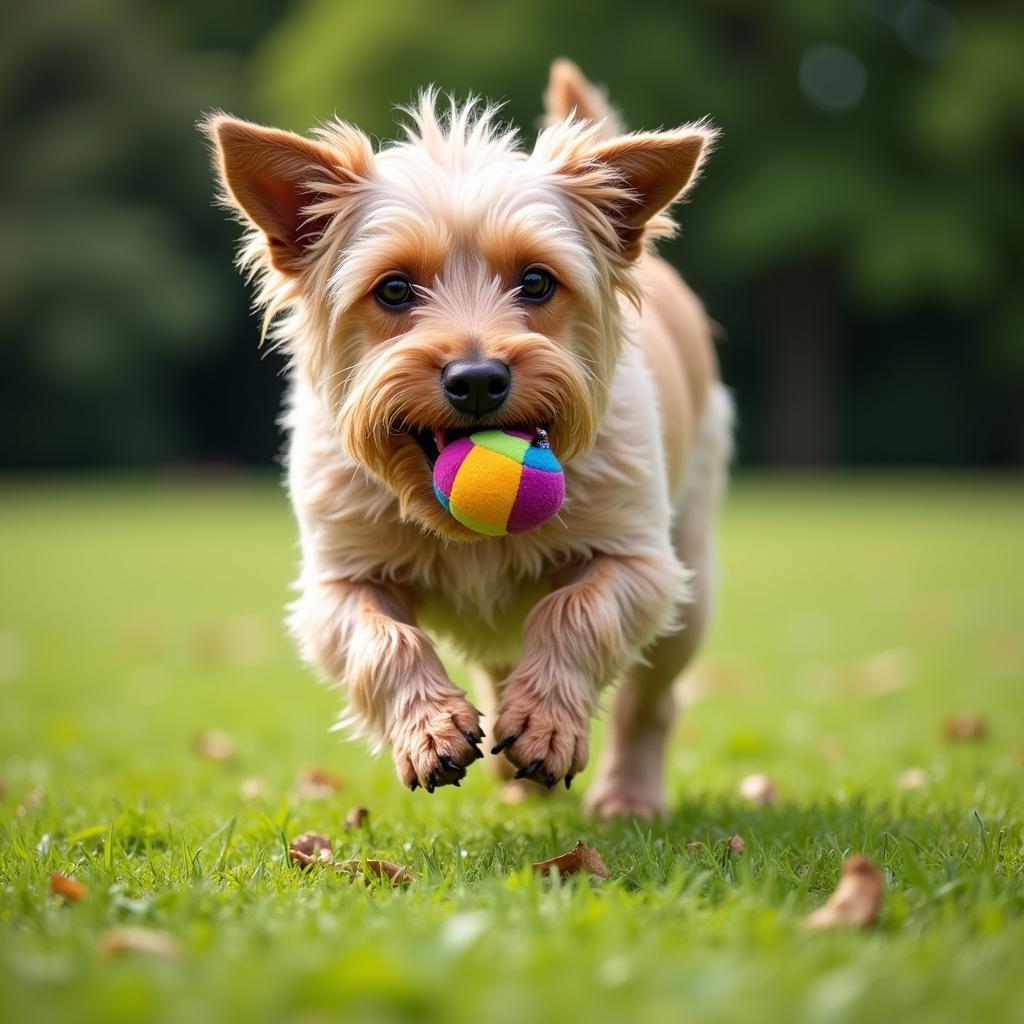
{"points": [[476, 386]]}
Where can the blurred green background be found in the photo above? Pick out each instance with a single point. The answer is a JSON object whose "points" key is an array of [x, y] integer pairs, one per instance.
{"points": [[858, 234]]}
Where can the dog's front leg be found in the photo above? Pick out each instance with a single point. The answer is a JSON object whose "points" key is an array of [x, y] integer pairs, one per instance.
{"points": [[578, 639], [363, 635]]}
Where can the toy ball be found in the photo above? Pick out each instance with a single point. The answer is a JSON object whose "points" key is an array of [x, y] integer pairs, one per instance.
{"points": [[500, 481]]}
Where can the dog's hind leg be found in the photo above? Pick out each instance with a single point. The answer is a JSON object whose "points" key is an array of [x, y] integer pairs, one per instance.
{"points": [[630, 779]]}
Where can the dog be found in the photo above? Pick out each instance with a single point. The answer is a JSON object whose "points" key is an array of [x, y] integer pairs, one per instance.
{"points": [[531, 274]]}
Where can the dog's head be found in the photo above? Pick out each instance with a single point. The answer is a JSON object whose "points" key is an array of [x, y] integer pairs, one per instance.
{"points": [[451, 281]]}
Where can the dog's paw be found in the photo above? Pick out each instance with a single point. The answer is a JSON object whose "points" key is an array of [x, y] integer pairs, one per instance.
{"points": [[547, 740], [436, 742]]}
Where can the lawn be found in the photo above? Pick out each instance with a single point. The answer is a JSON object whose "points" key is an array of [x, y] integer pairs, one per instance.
{"points": [[856, 617]]}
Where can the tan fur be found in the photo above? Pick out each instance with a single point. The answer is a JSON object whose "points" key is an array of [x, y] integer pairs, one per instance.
{"points": [[629, 402]]}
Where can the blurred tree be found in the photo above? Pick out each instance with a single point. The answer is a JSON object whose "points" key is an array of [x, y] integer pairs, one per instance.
{"points": [[111, 296], [860, 231]]}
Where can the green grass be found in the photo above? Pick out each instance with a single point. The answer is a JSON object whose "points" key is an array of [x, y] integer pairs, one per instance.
{"points": [[855, 617]]}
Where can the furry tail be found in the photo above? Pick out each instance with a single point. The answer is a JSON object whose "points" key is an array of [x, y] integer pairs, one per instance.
{"points": [[570, 95]]}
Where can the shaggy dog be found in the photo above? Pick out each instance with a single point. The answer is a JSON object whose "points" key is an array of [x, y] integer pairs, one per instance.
{"points": [[451, 282]]}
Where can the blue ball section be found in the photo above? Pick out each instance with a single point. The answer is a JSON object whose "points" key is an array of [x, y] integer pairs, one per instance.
{"points": [[543, 459], [441, 498]]}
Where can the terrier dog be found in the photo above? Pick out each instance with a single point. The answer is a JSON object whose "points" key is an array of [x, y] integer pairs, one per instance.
{"points": [[451, 282]]}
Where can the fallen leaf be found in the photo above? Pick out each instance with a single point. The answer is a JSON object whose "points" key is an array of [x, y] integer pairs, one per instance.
{"points": [[695, 846], [138, 940], [857, 898], [61, 885], [317, 784], [581, 858], [214, 745], [964, 727], [356, 817], [884, 672], [371, 869], [736, 843], [309, 849], [759, 790], [913, 778], [252, 788]]}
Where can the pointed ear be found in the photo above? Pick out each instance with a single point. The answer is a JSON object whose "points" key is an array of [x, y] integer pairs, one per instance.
{"points": [[653, 170], [274, 177]]}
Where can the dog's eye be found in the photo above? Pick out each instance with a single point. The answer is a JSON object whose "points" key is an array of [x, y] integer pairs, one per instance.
{"points": [[394, 291], [536, 285]]}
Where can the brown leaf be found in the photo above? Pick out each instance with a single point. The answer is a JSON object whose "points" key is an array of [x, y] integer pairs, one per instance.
{"points": [[61, 885], [964, 727], [581, 858], [252, 788], [758, 789], [317, 784], [138, 940], [356, 817], [695, 847], [214, 745], [736, 843], [309, 849], [373, 869], [857, 898], [913, 778]]}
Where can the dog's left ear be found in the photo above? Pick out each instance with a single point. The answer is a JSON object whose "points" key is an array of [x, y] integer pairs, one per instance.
{"points": [[280, 181], [652, 170]]}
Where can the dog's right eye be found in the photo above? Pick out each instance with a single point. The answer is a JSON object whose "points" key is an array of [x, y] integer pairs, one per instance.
{"points": [[394, 292]]}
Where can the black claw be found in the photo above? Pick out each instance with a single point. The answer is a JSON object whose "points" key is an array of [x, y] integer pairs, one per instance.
{"points": [[482, 733], [478, 753], [568, 780], [414, 785], [550, 780], [449, 763], [432, 782], [472, 738], [529, 771], [457, 783], [504, 744]]}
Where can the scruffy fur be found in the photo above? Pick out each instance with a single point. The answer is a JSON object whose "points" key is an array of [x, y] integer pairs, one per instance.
{"points": [[618, 364]]}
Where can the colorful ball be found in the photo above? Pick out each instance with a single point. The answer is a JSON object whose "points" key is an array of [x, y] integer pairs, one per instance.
{"points": [[500, 481]]}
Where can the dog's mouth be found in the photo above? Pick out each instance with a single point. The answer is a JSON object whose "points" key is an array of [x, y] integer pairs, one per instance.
{"points": [[434, 440]]}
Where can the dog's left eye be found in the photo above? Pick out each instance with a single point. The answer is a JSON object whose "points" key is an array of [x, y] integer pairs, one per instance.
{"points": [[536, 285], [394, 292]]}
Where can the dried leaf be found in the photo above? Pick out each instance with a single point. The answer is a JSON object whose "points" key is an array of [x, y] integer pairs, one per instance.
{"points": [[884, 672], [736, 843], [759, 790], [857, 898], [695, 846], [964, 727], [252, 788], [581, 858], [356, 817], [375, 869], [913, 778], [138, 940], [309, 849], [68, 888], [214, 745], [317, 784]]}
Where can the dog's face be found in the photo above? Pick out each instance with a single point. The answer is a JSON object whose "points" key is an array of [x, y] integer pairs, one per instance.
{"points": [[452, 281]]}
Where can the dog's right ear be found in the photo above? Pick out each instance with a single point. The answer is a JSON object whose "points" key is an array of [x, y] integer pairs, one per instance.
{"points": [[281, 182]]}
